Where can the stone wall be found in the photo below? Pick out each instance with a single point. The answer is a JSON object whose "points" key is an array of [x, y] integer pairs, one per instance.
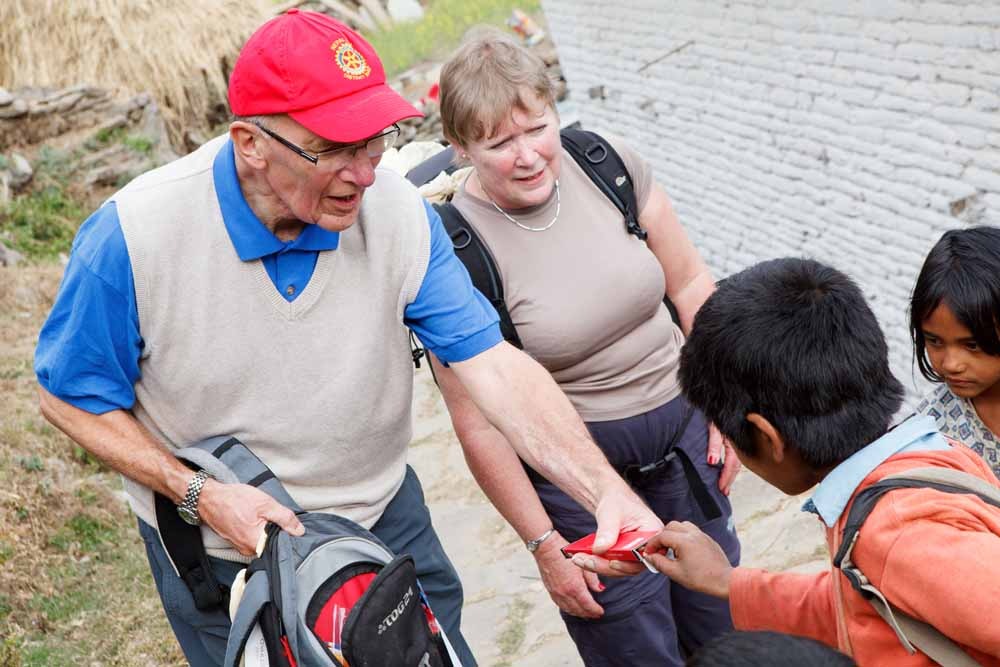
{"points": [[851, 132]]}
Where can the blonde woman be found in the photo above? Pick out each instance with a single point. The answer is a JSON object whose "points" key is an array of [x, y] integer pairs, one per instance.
{"points": [[586, 297]]}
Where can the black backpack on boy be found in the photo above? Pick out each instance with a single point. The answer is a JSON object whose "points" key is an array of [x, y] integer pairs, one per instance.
{"points": [[334, 596]]}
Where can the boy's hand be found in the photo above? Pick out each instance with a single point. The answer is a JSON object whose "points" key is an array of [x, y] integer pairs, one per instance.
{"points": [[698, 563]]}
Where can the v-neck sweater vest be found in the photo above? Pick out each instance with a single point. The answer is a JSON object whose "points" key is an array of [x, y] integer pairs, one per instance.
{"points": [[320, 387]]}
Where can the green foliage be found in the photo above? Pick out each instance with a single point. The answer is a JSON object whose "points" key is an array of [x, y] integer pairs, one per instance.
{"points": [[83, 530], [138, 143], [10, 653], [31, 463], [440, 30], [42, 223]]}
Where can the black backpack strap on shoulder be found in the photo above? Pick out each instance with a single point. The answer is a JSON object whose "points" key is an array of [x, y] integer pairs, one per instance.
{"points": [[482, 268], [602, 163], [912, 633]]}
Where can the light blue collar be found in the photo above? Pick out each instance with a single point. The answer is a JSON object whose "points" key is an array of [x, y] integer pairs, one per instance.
{"points": [[916, 434]]}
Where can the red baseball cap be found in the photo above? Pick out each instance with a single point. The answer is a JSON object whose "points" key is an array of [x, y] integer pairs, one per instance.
{"points": [[318, 71]]}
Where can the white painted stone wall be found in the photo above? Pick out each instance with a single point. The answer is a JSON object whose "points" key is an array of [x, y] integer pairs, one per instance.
{"points": [[847, 131]]}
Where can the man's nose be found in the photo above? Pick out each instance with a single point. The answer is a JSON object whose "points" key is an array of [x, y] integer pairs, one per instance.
{"points": [[361, 169]]}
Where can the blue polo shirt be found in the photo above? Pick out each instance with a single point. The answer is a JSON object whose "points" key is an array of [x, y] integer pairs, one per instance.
{"points": [[916, 434], [88, 349]]}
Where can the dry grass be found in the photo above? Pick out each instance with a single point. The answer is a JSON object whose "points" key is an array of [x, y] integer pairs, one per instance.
{"points": [[74, 584], [179, 51]]}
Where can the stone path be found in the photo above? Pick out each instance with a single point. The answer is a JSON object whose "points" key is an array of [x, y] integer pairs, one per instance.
{"points": [[508, 617]]}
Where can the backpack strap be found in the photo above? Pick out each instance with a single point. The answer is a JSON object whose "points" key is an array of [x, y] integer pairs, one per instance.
{"points": [[256, 594], [479, 262], [605, 167], [913, 634], [230, 462]]}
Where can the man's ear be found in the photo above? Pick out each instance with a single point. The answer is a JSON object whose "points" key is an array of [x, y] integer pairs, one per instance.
{"points": [[247, 140], [768, 440]]}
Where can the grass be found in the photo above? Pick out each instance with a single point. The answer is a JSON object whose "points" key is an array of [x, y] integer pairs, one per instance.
{"points": [[440, 30], [75, 587]]}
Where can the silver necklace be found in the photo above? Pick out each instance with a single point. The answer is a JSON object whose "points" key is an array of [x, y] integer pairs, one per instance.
{"points": [[517, 222]]}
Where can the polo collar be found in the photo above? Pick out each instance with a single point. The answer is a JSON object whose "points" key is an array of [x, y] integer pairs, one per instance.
{"points": [[835, 491], [251, 239]]}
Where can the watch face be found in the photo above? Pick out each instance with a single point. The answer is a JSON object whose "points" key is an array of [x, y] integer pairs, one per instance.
{"points": [[189, 516]]}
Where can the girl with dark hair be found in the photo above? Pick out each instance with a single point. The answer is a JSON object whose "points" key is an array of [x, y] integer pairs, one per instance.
{"points": [[955, 326]]}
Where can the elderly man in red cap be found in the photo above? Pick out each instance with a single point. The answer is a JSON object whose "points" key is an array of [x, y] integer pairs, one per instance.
{"points": [[262, 287]]}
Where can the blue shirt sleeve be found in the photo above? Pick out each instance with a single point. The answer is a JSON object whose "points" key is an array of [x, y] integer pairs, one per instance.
{"points": [[450, 316], [88, 349]]}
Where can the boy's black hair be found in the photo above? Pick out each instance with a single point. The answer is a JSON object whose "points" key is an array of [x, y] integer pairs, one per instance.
{"points": [[767, 649], [794, 341], [962, 271]]}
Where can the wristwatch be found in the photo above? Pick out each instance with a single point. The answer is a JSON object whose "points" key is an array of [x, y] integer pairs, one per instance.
{"points": [[533, 545], [188, 509]]}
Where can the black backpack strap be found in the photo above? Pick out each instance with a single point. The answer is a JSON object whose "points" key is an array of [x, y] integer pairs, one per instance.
{"points": [[605, 167], [482, 268], [183, 544]]}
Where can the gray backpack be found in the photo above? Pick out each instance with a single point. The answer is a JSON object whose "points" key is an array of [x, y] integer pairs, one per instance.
{"points": [[335, 596]]}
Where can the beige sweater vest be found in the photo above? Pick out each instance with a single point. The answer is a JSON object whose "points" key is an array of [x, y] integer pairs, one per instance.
{"points": [[319, 388]]}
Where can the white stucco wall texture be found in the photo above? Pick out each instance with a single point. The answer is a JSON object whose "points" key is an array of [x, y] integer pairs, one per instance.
{"points": [[851, 132]]}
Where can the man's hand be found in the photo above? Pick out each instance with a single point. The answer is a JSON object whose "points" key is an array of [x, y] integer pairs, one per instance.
{"points": [[568, 585], [698, 563], [720, 450], [239, 513], [618, 511]]}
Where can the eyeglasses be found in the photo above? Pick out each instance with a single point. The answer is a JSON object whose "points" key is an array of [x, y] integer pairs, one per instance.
{"points": [[341, 156]]}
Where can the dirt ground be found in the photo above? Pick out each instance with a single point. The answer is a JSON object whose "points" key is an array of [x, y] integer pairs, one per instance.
{"points": [[72, 569]]}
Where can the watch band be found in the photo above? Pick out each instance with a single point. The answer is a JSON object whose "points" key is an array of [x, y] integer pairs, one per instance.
{"points": [[188, 509], [532, 545]]}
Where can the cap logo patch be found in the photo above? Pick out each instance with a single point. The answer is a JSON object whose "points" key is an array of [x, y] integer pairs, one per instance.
{"points": [[351, 63]]}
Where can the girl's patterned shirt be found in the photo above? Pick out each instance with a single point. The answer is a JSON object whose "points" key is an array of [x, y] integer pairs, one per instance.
{"points": [[957, 418]]}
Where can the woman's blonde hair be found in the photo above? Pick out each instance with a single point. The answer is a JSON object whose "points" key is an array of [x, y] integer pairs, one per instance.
{"points": [[488, 77]]}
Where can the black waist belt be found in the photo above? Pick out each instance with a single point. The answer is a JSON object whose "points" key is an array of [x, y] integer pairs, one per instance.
{"points": [[637, 475]]}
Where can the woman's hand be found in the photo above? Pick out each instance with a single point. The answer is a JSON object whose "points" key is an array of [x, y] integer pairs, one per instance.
{"points": [[720, 450], [568, 586]]}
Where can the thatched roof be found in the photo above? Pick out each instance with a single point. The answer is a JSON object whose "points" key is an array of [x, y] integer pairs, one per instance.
{"points": [[181, 51]]}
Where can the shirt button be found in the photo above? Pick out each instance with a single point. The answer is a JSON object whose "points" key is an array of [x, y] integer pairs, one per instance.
{"points": [[290, 290]]}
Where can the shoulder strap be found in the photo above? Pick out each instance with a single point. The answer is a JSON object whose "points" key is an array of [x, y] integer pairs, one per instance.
{"points": [[912, 633], [482, 268], [602, 163]]}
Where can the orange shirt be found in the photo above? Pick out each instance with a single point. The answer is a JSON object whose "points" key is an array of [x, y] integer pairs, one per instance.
{"points": [[934, 555]]}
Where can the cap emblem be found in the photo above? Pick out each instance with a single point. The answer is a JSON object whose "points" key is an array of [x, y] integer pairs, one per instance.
{"points": [[351, 63]]}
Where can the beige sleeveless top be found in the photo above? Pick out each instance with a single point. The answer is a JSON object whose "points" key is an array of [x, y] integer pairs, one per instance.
{"points": [[586, 296]]}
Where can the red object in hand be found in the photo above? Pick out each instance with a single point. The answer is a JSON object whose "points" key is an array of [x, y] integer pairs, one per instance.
{"points": [[628, 547]]}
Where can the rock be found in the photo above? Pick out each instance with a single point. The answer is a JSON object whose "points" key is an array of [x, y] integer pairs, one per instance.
{"points": [[15, 109], [405, 10], [4, 188], [6, 99], [9, 257], [21, 172], [153, 127]]}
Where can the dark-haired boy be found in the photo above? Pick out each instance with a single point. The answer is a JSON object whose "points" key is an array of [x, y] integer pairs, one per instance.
{"points": [[788, 360]]}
